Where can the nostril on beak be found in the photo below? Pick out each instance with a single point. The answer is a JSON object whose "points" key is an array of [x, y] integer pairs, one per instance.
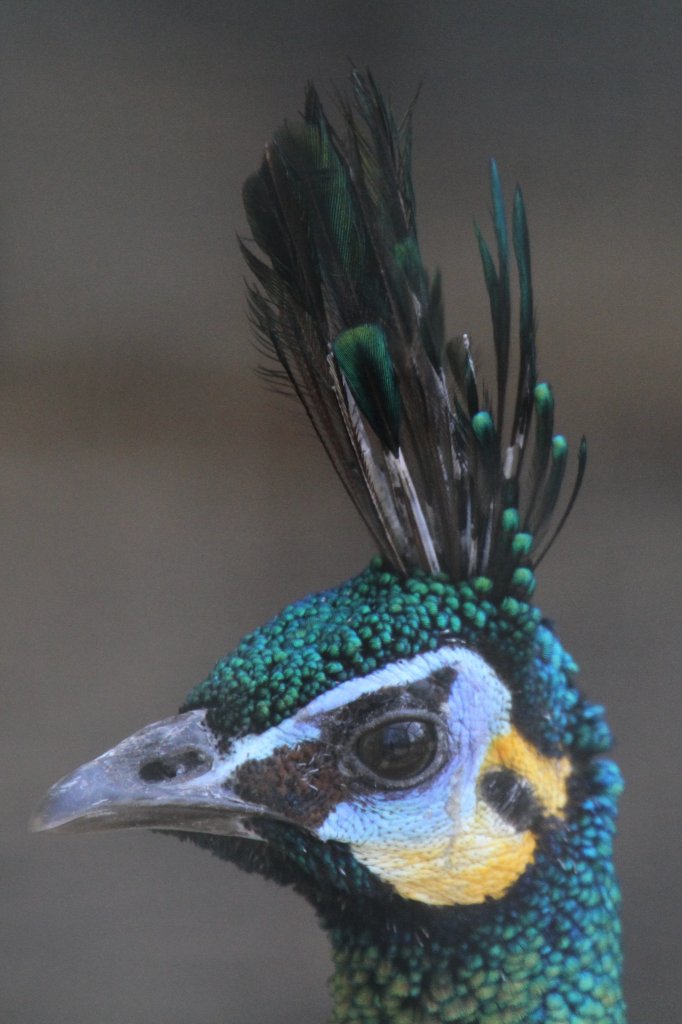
{"points": [[180, 764]]}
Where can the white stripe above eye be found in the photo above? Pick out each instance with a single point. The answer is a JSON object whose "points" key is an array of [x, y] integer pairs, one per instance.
{"points": [[398, 673]]}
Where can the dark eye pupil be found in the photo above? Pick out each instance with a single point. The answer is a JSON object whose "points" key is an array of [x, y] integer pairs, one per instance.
{"points": [[398, 750]]}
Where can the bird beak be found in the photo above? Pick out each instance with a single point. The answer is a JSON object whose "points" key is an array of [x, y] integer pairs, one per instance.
{"points": [[170, 775]]}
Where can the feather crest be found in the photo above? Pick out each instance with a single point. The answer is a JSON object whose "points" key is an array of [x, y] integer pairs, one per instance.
{"points": [[344, 304]]}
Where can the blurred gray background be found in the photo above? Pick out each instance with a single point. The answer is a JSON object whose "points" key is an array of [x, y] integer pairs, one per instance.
{"points": [[158, 501]]}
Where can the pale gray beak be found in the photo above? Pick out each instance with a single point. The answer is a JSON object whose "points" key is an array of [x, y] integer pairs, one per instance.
{"points": [[170, 775]]}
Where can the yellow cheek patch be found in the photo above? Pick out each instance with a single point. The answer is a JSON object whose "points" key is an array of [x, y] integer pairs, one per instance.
{"points": [[546, 775], [483, 859], [482, 855]]}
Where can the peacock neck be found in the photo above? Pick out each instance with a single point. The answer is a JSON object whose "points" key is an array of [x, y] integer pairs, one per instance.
{"points": [[547, 953]]}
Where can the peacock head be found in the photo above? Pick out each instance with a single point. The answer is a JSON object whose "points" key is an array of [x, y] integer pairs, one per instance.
{"points": [[407, 739]]}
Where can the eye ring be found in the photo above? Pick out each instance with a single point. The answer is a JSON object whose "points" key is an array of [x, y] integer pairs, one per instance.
{"points": [[416, 753]]}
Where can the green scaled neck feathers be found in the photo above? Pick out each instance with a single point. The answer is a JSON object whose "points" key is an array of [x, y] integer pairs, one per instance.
{"points": [[548, 956], [408, 750]]}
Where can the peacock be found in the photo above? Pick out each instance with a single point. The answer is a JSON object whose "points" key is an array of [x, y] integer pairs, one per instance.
{"points": [[408, 750]]}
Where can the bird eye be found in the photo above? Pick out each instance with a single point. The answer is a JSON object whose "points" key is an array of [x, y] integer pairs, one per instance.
{"points": [[398, 750]]}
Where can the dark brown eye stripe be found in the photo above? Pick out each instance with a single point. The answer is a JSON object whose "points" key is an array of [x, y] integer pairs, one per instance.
{"points": [[302, 783]]}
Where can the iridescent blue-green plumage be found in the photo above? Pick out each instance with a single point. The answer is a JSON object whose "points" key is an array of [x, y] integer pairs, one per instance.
{"points": [[410, 749]]}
